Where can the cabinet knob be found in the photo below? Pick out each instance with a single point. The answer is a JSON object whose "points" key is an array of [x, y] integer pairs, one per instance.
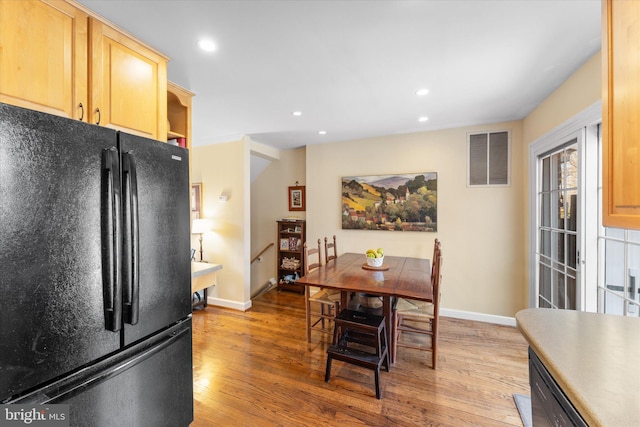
{"points": [[99, 116], [81, 107]]}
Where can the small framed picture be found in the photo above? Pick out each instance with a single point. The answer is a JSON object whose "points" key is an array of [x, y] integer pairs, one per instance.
{"points": [[284, 244], [296, 198], [196, 200], [293, 243]]}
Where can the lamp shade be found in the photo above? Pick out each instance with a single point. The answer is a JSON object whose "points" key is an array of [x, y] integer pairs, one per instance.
{"points": [[201, 225]]}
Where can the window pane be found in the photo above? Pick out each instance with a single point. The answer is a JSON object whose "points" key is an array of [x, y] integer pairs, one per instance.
{"points": [[498, 158], [571, 293], [478, 159], [558, 247], [633, 236], [545, 282], [558, 286], [613, 303], [571, 250], [545, 242], [571, 213], [558, 212], [545, 208], [546, 175], [571, 168], [545, 261], [616, 233], [614, 266], [633, 310], [543, 303], [556, 171], [633, 269]]}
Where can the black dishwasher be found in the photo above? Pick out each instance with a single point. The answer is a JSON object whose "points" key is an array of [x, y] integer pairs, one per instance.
{"points": [[549, 405]]}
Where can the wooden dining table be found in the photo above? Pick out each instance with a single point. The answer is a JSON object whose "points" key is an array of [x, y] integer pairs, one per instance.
{"points": [[399, 277]]}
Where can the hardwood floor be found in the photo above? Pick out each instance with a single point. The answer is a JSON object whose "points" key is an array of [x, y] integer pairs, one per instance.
{"points": [[256, 368]]}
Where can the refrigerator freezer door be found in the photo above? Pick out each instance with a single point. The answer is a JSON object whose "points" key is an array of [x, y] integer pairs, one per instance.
{"points": [[51, 278], [161, 295], [148, 384]]}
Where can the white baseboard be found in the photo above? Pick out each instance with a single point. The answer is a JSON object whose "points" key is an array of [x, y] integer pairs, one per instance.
{"points": [[229, 304], [480, 317], [446, 312]]}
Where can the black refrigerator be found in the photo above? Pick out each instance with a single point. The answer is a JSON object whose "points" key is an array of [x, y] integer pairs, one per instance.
{"points": [[95, 273]]}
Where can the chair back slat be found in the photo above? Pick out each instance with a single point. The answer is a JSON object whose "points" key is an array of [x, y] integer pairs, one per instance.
{"points": [[436, 253], [327, 246], [312, 257], [436, 277]]}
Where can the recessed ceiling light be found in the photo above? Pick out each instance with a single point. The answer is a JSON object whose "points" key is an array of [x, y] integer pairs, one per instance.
{"points": [[423, 119], [422, 92], [207, 45], [297, 113], [322, 132]]}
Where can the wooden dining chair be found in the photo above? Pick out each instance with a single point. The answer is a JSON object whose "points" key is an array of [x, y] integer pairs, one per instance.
{"points": [[328, 306], [331, 253], [414, 319], [436, 251]]}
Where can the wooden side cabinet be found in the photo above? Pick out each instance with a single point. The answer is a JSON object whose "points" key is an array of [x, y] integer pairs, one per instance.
{"points": [[621, 113], [290, 240]]}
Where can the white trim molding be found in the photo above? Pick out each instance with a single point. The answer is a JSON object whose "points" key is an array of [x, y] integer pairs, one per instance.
{"points": [[479, 317], [235, 305], [544, 144]]}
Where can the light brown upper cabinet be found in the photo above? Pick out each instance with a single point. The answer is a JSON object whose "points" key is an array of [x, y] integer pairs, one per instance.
{"points": [[43, 47], [57, 57], [621, 113], [128, 83]]}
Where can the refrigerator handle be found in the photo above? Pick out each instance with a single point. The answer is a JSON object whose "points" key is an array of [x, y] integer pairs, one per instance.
{"points": [[111, 232], [131, 269]]}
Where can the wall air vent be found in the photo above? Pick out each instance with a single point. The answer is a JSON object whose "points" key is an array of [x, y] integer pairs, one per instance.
{"points": [[488, 159]]}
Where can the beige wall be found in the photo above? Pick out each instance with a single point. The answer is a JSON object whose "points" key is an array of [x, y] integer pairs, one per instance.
{"points": [[577, 93], [269, 202], [481, 229], [484, 230], [224, 169]]}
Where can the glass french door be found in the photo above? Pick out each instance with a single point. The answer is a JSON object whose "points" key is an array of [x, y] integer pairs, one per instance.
{"points": [[558, 246]]}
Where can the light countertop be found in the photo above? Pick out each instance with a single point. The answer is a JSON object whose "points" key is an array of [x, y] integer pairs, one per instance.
{"points": [[594, 358], [201, 268]]}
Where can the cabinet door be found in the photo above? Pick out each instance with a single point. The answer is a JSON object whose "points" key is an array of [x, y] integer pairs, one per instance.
{"points": [[128, 84], [620, 114], [43, 57]]}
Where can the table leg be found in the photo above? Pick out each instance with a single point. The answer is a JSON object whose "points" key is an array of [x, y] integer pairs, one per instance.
{"points": [[344, 301], [307, 294], [386, 309]]}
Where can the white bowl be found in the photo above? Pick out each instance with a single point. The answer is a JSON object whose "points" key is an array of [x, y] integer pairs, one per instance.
{"points": [[375, 262]]}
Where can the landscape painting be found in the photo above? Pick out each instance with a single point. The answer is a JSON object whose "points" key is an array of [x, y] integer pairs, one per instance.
{"points": [[401, 202]]}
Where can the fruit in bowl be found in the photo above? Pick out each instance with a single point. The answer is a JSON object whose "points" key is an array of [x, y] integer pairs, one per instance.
{"points": [[375, 258]]}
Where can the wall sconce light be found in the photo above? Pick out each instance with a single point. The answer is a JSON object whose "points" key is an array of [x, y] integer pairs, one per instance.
{"points": [[201, 226]]}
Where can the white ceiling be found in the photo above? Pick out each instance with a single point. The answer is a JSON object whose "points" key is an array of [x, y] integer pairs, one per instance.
{"points": [[353, 67]]}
